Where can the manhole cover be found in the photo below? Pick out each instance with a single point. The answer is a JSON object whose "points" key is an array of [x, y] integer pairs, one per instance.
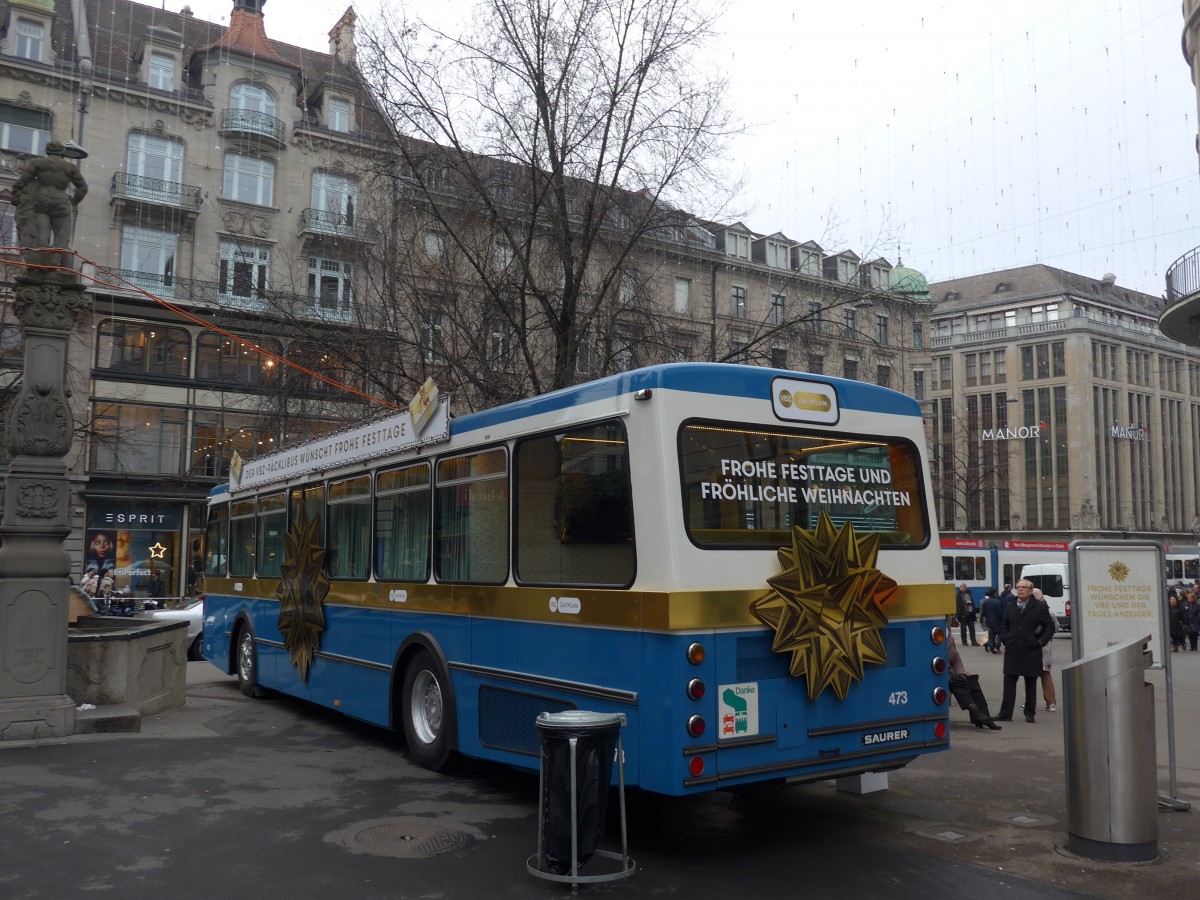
{"points": [[405, 840]]}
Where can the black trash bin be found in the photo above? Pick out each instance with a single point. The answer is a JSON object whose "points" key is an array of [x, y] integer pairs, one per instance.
{"points": [[577, 752]]}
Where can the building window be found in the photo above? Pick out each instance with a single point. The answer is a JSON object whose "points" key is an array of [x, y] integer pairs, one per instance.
{"points": [[737, 298], [500, 349], [778, 308], [331, 283], [249, 179], [252, 97], [434, 244], [985, 367], [737, 245], [243, 271], [336, 195], [883, 376], [1000, 367], [813, 320], [779, 357], [149, 156], [848, 326], [148, 255], [433, 349], [249, 361], [683, 292], [816, 364], [31, 38], [24, 130], [918, 385], [850, 369], [810, 263], [881, 329], [143, 348], [737, 353], [339, 114], [145, 440], [777, 255], [969, 368], [160, 73]]}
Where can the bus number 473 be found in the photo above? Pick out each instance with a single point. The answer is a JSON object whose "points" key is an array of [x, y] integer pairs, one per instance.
{"points": [[898, 698]]}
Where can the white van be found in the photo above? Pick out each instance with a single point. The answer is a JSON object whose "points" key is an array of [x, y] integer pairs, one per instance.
{"points": [[1051, 580]]}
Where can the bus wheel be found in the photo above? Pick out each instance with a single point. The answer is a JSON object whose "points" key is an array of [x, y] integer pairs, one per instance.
{"points": [[428, 712], [247, 663]]}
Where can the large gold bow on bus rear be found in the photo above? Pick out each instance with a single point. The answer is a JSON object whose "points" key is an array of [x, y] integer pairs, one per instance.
{"points": [[826, 606]]}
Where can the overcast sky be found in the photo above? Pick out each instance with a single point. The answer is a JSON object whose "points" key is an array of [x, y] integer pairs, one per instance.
{"points": [[959, 136]]}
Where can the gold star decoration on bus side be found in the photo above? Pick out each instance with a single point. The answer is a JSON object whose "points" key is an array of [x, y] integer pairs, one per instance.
{"points": [[826, 606], [158, 551], [302, 589]]}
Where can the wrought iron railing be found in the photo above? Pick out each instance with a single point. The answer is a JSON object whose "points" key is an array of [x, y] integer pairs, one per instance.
{"points": [[252, 121], [1183, 277], [168, 286], [155, 190], [322, 221]]}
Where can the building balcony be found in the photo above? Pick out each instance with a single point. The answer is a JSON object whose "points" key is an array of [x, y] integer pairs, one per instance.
{"points": [[156, 192], [324, 223], [251, 123], [1180, 321], [169, 287]]}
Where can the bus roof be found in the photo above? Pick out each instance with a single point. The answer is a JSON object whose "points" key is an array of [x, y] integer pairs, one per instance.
{"points": [[724, 379]]}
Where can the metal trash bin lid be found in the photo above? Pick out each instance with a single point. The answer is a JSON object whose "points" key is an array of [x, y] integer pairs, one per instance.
{"points": [[579, 719]]}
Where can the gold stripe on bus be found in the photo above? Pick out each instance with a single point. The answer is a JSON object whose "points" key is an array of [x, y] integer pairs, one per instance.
{"points": [[649, 610]]}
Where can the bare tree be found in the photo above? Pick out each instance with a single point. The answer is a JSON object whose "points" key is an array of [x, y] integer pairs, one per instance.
{"points": [[539, 151]]}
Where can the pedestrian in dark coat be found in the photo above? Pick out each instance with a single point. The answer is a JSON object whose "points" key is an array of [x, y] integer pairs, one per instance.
{"points": [[966, 615], [1192, 614], [1027, 626], [992, 611]]}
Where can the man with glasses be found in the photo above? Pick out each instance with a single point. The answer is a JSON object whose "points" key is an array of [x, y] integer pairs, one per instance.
{"points": [[1024, 629]]}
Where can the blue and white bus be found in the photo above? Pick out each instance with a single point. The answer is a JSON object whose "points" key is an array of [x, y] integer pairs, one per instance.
{"points": [[741, 560]]}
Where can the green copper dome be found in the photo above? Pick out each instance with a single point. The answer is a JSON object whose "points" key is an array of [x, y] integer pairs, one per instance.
{"points": [[910, 282]]}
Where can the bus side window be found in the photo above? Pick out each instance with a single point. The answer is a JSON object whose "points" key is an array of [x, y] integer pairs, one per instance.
{"points": [[964, 568], [948, 568], [402, 500], [471, 525], [349, 528], [575, 508], [272, 522], [981, 568], [241, 539], [216, 540]]}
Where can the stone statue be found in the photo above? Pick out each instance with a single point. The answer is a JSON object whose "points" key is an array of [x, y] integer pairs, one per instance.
{"points": [[44, 208]]}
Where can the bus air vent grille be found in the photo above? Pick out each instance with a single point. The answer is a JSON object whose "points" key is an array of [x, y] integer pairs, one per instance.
{"points": [[756, 662], [506, 719]]}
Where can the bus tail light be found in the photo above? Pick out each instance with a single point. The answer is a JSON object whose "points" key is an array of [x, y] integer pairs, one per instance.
{"points": [[939, 730], [939, 695], [695, 654], [695, 726], [1068, 609], [938, 665], [696, 766], [695, 689], [938, 635]]}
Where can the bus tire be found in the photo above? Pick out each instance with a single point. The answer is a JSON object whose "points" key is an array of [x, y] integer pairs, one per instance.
{"points": [[246, 664], [427, 710]]}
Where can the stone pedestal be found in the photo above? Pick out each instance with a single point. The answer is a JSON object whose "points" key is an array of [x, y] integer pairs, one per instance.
{"points": [[34, 566]]}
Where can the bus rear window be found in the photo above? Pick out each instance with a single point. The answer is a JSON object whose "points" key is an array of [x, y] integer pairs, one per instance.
{"points": [[747, 486]]}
